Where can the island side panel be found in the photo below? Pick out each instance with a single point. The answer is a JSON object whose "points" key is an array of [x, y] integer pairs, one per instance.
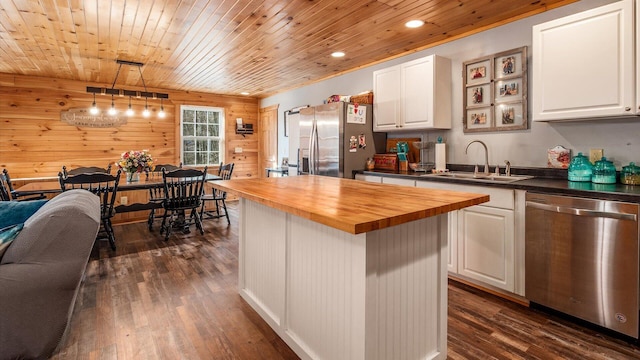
{"points": [[326, 290], [262, 259], [407, 291], [330, 294]]}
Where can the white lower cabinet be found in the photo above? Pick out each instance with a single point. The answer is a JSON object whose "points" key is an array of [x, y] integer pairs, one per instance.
{"points": [[486, 245], [370, 178], [485, 242], [398, 181]]}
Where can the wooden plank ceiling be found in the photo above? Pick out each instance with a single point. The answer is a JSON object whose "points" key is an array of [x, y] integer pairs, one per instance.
{"points": [[231, 46]]}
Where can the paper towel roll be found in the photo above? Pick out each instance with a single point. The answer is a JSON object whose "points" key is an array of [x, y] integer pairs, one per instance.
{"points": [[441, 157]]}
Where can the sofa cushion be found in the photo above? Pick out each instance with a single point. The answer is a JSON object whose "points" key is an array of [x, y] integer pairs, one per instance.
{"points": [[45, 233], [17, 212], [7, 235]]}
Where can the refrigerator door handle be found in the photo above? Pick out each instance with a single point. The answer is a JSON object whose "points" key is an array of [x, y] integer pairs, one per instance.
{"points": [[316, 150], [312, 149]]}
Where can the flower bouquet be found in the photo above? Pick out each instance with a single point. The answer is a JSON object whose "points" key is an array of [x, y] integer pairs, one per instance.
{"points": [[134, 162]]}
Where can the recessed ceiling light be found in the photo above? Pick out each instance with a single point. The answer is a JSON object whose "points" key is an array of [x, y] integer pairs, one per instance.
{"points": [[414, 24], [244, 93], [337, 54]]}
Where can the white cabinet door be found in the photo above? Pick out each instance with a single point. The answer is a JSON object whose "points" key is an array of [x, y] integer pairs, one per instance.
{"points": [[416, 79], [486, 245], [413, 95], [386, 99], [583, 65], [426, 93]]}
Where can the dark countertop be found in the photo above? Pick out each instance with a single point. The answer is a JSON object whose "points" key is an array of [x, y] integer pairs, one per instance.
{"points": [[547, 181]]}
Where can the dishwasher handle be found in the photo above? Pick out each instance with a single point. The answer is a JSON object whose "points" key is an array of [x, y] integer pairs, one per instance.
{"points": [[581, 212]]}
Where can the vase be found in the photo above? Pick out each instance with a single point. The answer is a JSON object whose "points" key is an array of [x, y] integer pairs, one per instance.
{"points": [[133, 177]]}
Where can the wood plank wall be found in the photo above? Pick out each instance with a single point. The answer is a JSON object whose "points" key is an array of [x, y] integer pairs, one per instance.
{"points": [[35, 142]]}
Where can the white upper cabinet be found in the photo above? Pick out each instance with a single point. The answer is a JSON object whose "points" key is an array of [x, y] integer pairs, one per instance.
{"points": [[583, 65], [412, 96], [386, 98]]}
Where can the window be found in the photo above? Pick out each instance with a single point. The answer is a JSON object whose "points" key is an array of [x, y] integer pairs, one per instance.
{"points": [[202, 130]]}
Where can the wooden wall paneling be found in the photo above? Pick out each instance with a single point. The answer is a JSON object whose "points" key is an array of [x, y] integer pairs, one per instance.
{"points": [[35, 142]]}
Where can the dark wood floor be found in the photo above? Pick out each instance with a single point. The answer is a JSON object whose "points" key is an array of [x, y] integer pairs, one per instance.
{"points": [[153, 299]]}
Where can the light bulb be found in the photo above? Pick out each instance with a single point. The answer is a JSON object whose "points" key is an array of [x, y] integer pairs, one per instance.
{"points": [[161, 113], [146, 112], [94, 108], [129, 111], [112, 110]]}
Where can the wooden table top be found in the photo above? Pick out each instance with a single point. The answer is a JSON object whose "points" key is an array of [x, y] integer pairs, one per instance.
{"points": [[350, 205], [144, 183]]}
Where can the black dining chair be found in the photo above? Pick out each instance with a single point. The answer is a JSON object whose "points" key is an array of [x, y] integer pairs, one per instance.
{"points": [[104, 186], [4, 190], [86, 170], [218, 196], [7, 193], [183, 192], [156, 193]]}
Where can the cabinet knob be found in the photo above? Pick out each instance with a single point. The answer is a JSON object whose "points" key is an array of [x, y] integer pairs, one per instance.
{"points": [[627, 109]]}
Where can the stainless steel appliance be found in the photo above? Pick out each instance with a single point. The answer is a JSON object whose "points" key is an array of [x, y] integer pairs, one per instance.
{"points": [[336, 139], [582, 259]]}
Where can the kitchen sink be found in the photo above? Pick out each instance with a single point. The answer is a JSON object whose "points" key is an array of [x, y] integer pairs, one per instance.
{"points": [[479, 177]]}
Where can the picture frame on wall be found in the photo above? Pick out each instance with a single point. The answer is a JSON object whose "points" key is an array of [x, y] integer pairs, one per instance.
{"points": [[478, 119], [478, 72], [479, 95], [510, 116], [495, 92]]}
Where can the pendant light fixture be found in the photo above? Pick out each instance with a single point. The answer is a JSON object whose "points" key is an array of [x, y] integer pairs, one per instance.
{"points": [[130, 93], [146, 112], [94, 108], [129, 111], [112, 109], [161, 113]]}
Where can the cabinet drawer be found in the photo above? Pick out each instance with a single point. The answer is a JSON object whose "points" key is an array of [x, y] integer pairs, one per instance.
{"points": [[498, 198]]}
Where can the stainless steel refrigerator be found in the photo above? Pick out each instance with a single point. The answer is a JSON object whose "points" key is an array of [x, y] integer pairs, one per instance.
{"points": [[337, 138]]}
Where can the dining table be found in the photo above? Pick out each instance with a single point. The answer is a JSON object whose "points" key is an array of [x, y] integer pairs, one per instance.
{"points": [[35, 186]]}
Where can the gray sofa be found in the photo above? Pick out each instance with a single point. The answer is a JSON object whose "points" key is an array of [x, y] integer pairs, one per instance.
{"points": [[41, 271]]}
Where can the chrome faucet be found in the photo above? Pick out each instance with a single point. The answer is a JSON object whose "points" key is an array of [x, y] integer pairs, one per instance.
{"points": [[507, 171], [486, 155]]}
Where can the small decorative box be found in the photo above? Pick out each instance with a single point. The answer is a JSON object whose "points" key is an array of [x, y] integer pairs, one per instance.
{"points": [[386, 161]]}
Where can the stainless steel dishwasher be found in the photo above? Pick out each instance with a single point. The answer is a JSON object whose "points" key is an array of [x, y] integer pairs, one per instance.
{"points": [[582, 259]]}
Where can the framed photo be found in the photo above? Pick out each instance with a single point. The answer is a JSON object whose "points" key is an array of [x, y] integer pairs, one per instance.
{"points": [[495, 92], [478, 72], [479, 95], [510, 116], [509, 64], [478, 119], [508, 90]]}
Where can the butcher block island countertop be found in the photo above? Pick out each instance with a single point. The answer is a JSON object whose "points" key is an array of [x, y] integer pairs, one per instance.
{"points": [[349, 205], [347, 269]]}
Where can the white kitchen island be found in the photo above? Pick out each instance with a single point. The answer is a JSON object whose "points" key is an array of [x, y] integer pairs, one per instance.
{"points": [[345, 269]]}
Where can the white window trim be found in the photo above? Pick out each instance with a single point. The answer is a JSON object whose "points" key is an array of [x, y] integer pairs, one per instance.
{"points": [[222, 129]]}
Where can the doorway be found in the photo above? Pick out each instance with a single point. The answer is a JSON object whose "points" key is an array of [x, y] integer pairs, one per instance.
{"points": [[268, 141]]}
